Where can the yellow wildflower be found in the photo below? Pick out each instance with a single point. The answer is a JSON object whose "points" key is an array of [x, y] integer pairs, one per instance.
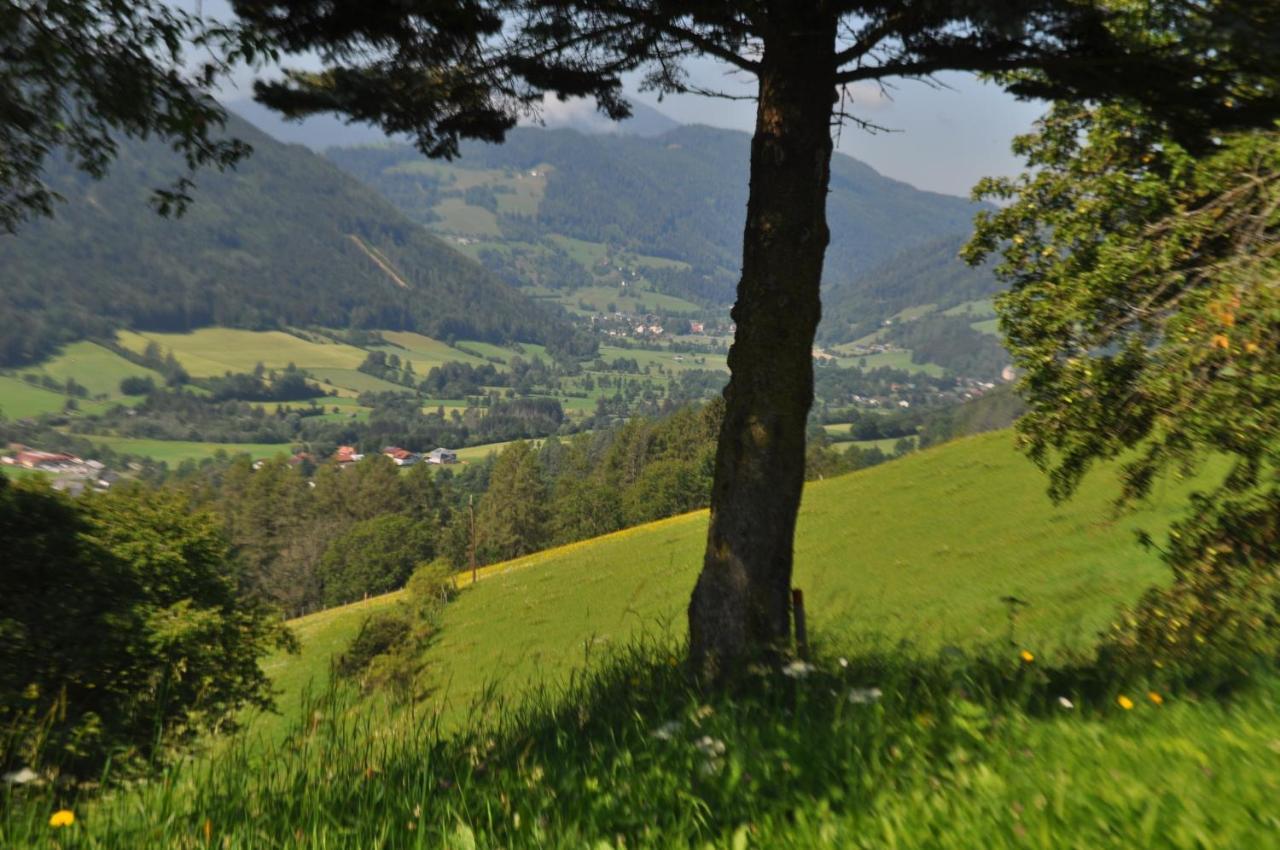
{"points": [[1026, 656], [1221, 341], [1155, 697], [62, 817], [1124, 702], [1251, 347]]}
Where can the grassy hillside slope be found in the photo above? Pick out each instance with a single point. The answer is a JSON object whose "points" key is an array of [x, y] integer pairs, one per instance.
{"points": [[921, 549], [887, 748]]}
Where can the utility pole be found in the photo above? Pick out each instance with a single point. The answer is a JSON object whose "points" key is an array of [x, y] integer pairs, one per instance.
{"points": [[471, 511]]}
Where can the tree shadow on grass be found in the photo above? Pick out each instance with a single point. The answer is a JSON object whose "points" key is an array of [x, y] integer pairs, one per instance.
{"points": [[633, 753]]}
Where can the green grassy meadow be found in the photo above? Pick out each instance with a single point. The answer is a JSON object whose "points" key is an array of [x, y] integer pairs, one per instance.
{"points": [[560, 716], [210, 352], [98, 369], [892, 359], [920, 549], [174, 452], [20, 400]]}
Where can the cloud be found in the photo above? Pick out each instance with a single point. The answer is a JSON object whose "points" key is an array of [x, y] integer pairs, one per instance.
{"points": [[579, 113]]}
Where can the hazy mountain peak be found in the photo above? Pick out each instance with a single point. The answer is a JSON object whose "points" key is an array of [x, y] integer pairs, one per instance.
{"points": [[320, 132]]}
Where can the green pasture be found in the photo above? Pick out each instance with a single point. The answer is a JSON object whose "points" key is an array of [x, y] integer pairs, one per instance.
{"points": [[98, 369], [987, 326], [635, 300], [215, 351], [914, 312], [980, 309], [174, 452], [839, 433], [424, 351], [920, 549], [892, 359], [352, 382], [874, 551], [666, 358], [459, 217], [20, 400]]}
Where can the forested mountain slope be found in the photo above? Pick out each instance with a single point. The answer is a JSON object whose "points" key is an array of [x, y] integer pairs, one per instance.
{"points": [[682, 196], [285, 239], [925, 273]]}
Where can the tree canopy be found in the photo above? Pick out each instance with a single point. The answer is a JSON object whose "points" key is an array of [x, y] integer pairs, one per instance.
{"points": [[122, 627], [1144, 314], [446, 71], [79, 74]]}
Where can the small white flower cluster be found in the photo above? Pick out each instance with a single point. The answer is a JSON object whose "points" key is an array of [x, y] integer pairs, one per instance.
{"points": [[798, 669], [20, 777], [864, 696], [1066, 703], [667, 730], [711, 747], [713, 750]]}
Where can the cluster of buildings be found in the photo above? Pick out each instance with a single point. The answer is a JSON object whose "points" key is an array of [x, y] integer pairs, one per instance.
{"points": [[872, 348], [69, 473], [399, 456]]}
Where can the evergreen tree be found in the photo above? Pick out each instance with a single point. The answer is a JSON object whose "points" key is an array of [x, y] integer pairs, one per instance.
{"points": [[448, 70], [512, 518]]}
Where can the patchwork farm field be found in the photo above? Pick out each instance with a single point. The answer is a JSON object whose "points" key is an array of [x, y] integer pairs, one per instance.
{"points": [[210, 352], [96, 368]]}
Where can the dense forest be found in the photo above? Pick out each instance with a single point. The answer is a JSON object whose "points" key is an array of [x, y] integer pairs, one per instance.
{"points": [[285, 239]]}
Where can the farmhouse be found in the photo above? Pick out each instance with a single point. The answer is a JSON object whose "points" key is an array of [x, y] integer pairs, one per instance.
{"points": [[46, 461], [401, 457], [347, 454], [442, 455]]}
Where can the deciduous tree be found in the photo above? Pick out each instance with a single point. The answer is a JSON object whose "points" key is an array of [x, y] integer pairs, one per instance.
{"points": [[77, 74], [1144, 315]]}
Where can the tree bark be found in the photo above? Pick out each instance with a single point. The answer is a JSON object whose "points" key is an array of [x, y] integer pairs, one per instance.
{"points": [[741, 604]]}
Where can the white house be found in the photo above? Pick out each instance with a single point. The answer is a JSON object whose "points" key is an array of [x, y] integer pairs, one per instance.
{"points": [[442, 455]]}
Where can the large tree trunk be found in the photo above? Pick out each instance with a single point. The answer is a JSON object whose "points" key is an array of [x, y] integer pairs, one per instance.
{"points": [[741, 604]]}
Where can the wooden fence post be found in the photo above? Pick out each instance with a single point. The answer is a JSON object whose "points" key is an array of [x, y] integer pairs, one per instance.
{"points": [[802, 629]]}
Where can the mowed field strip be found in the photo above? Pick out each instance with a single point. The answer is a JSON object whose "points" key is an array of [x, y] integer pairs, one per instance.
{"points": [[214, 351]]}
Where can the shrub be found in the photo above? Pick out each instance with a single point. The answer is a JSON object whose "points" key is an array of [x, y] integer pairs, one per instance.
{"points": [[121, 628], [137, 385], [379, 633]]}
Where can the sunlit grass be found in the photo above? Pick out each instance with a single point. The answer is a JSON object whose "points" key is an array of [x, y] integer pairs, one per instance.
{"points": [[865, 748]]}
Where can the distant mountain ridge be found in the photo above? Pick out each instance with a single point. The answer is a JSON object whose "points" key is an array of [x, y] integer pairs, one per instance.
{"points": [[319, 132], [285, 239], [681, 195]]}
